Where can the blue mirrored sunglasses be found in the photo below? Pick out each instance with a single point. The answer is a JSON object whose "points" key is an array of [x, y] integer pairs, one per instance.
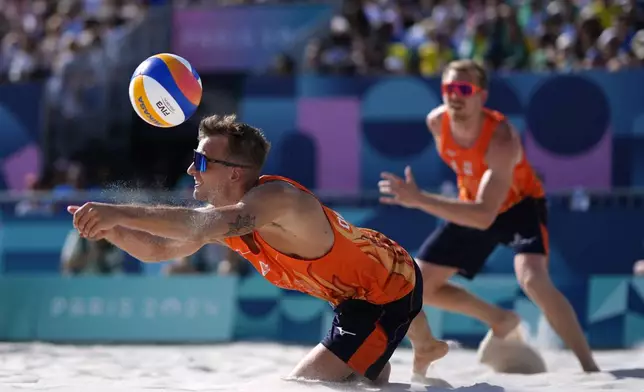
{"points": [[201, 162]]}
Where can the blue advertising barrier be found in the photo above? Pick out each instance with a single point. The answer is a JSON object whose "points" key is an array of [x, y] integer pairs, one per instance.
{"points": [[340, 133], [582, 243], [117, 309], [610, 310], [218, 309]]}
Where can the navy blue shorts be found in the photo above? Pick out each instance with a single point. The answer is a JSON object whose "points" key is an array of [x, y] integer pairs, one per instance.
{"points": [[523, 227], [365, 335]]}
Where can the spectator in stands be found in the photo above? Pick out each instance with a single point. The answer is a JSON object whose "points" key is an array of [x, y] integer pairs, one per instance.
{"points": [[606, 11], [31, 204], [565, 55], [81, 256], [507, 47], [337, 53], [233, 264], [435, 52], [474, 44], [69, 178], [637, 45], [638, 268], [283, 65]]}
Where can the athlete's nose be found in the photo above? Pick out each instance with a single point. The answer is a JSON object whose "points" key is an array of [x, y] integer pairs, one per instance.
{"points": [[192, 170], [454, 97]]}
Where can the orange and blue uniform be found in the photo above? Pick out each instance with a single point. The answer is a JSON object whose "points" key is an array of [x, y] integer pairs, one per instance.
{"points": [[371, 281], [521, 223]]}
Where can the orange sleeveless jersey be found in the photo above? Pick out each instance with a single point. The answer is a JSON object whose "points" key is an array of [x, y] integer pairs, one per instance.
{"points": [[469, 163], [362, 264]]}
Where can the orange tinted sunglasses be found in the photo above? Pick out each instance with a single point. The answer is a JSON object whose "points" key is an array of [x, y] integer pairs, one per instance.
{"points": [[463, 89]]}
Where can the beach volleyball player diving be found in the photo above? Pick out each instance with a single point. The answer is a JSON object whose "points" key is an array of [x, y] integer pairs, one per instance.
{"points": [[294, 241], [501, 202]]}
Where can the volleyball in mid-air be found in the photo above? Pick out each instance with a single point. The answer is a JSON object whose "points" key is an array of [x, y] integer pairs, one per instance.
{"points": [[165, 90]]}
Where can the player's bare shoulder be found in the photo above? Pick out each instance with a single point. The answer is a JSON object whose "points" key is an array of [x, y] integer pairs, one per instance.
{"points": [[285, 196], [302, 211], [505, 146], [434, 120], [277, 192]]}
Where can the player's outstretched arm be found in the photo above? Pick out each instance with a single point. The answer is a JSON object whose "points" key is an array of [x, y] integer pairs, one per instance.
{"points": [[144, 246], [259, 207], [503, 154], [149, 248]]}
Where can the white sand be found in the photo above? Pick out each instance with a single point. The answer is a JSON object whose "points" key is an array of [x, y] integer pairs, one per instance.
{"points": [[255, 367]]}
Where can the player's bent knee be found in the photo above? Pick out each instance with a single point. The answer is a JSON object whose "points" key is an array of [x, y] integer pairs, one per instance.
{"points": [[383, 377], [434, 276], [320, 364], [532, 272], [435, 272]]}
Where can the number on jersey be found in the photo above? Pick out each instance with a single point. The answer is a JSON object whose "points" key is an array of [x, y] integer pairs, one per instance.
{"points": [[467, 168]]}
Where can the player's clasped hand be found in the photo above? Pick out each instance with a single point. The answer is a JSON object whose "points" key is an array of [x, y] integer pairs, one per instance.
{"points": [[93, 218], [396, 190]]}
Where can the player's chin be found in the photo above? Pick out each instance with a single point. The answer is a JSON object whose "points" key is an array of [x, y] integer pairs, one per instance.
{"points": [[459, 114], [198, 194]]}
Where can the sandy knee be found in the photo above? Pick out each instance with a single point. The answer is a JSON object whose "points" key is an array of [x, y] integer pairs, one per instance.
{"points": [[383, 377]]}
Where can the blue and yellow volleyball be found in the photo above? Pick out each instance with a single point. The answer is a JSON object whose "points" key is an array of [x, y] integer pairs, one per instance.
{"points": [[165, 90]]}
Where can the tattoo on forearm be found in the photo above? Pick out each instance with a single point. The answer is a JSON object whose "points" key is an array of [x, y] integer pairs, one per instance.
{"points": [[241, 225]]}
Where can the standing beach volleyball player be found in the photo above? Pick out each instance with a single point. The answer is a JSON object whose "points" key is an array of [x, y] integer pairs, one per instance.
{"points": [[501, 201], [294, 241]]}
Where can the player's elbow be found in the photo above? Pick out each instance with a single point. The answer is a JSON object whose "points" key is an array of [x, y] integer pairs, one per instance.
{"points": [[201, 236], [156, 253], [484, 222], [156, 257], [484, 219]]}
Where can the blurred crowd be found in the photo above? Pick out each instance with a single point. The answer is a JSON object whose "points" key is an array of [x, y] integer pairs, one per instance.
{"points": [[41, 38], [421, 36]]}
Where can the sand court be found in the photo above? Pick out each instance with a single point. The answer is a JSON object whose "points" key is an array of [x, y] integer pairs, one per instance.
{"points": [[251, 367]]}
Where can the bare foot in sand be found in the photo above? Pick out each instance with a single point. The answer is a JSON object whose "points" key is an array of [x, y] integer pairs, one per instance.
{"points": [[428, 353], [508, 324]]}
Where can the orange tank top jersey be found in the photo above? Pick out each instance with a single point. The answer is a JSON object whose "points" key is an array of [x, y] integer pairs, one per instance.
{"points": [[362, 264], [469, 163]]}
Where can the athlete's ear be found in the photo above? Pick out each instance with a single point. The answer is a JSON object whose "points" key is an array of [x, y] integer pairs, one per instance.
{"points": [[235, 174]]}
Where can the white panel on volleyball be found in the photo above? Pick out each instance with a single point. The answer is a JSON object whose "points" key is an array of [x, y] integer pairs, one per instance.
{"points": [[169, 110]]}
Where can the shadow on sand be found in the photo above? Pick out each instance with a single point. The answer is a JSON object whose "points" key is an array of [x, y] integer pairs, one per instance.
{"points": [[400, 387], [437, 385], [627, 373]]}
